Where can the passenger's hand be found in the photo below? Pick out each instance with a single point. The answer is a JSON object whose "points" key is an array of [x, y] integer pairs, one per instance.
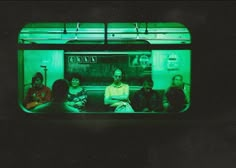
{"points": [[165, 105], [70, 103], [145, 109], [36, 99], [80, 103]]}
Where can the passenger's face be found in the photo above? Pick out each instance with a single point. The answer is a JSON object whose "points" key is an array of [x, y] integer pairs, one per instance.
{"points": [[37, 83], [117, 76], [147, 87], [178, 81], [75, 82]]}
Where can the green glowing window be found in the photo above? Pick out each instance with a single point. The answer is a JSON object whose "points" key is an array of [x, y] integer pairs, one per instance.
{"points": [[126, 68]]}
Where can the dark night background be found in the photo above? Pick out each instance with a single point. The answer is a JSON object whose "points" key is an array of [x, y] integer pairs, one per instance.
{"points": [[203, 137]]}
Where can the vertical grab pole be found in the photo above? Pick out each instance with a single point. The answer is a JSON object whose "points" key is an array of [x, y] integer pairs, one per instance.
{"points": [[45, 73]]}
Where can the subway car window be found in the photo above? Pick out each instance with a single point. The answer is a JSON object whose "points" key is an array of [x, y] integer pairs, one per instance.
{"points": [[85, 67]]}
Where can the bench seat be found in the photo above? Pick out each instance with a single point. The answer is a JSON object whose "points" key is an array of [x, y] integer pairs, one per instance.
{"points": [[96, 97]]}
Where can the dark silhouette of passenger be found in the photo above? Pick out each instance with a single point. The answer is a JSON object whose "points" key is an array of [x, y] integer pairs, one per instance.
{"points": [[146, 99], [58, 102]]}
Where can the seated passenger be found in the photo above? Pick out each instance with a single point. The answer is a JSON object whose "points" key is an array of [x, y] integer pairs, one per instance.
{"points": [[177, 96], [146, 99], [38, 93], [58, 103], [117, 94], [77, 95]]}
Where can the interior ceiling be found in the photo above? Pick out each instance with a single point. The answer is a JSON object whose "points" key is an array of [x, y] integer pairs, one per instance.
{"points": [[101, 25], [62, 32]]}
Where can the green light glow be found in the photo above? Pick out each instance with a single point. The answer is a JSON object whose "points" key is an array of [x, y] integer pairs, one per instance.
{"points": [[61, 33]]}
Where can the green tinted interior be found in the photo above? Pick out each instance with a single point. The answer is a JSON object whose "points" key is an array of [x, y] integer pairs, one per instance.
{"points": [[95, 66]]}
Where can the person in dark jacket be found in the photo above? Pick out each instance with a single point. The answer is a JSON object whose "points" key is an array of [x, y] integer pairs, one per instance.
{"points": [[146, 99]]}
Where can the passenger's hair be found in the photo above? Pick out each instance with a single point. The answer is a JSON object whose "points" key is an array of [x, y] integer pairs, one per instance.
{"points": [[60, 90], [148, 80], [116, 70], [74, 75], [178, 75], [37, 75]]}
